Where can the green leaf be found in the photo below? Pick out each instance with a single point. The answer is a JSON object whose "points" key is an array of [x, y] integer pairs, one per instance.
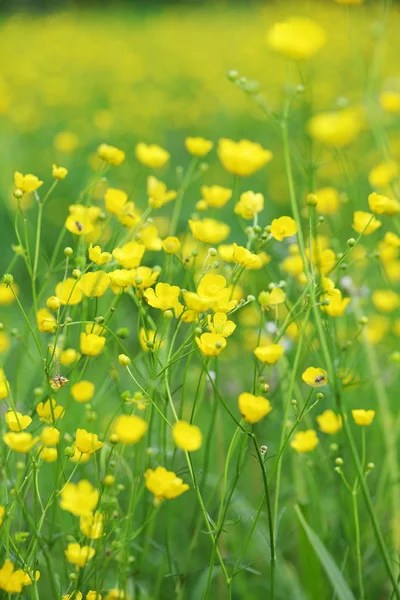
{"points": [[331, 569]]}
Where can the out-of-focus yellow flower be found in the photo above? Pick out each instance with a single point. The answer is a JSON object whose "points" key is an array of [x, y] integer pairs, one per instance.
{"points": [[20, 441], [209, 231], [129, 255], [79, 555], [297, 38], [45, 321], [91, 344], [17, 421], [86, 442], [187, 436], [336, 129], [147, 340], [129, 429], [305, 441], [59, 172], [198, 146], [48, 454], [94, 284], [6, 294], [245, 258], [253, 408], [68, 291], [386, 300], [365, 222], [363, 417], [158, 193], [151, 155], [66, 141], [211, 344], [92, 525], [269, 355], [273, 298], [242, 158], [26, 183], [315, 376], [216, 196], [150, 238], [165, 485], [69, 356], [390, 101], [12, 581], [383, 174], [53, 303], [376, 329], [97, 256], [219, 324], [249, 205], [115, 200], [337, 304], [328, 201], [171, 245], [283, 227], [4, 385], [329, 422], [49, 411], [382, 205], [83, 391], [79, 498], [111, 155], [50, 436]]}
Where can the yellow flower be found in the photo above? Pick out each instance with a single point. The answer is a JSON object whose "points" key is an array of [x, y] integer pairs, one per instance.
{"points": [[66, 141], [79, 555], [376, 329], [83, 391], [216, 196], [164, 297], [45, 321], [273, 298], [59, 172], [69, 356], [94, 284], [220, 325], [209, 231], [363, 417], [390, 101], [17, 421], [73, 596], [212, 293], [336, 129], [187, 436], [386, 300], [147, 339], [365, 222], [296, 38], [68, 292], [211, 344], [245, 258], [315, 377], [144, 277], [337, 305], [91, 525], [97, 256], [86, 442], [49, 455], [305, 441], [50, 436], [111, 155], [242, 158], [253, 408], [171, 245], [120, 279], [20, 442], [49, 412], [53, 303], [91, 344], [269, 354], [383, 174], [92, 595], [381, 205], [129, 429], [26, 183], [4, 385], [329, 422], [151, 155], [158, 193], [130, 255], [283, 227], [12, 581], [115, 200], [249, 205], [198, 146], [165, 485], [79, 498], [6, 294], [149, 237], [328, 201], [81, 219], [2, 513]]}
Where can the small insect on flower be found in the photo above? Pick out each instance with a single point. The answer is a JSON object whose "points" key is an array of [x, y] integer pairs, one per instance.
{"points": [[58, 381]]}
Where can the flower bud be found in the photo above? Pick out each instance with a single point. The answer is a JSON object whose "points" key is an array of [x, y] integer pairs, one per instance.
{"points": [[53, 303], [68, 251], [351, 242], [168, 314], [312, 200], [124, 360], [8, 279], [339, 461]]}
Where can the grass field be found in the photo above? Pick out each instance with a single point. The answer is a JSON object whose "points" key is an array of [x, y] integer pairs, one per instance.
{"points": [[199, 385]]}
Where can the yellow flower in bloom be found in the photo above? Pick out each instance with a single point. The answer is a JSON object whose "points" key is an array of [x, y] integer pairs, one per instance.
{"points": [[144, 277], [111, 155], [86, 442], [45, 321], [94, 284], [383, 174], [209, 231], [6, 293], [147, 339], [328, 201], [337, 304], [269, 354], [151, 155], [273, 298], [79, 555], [4, 385], [17, 421], [149, 237], [115, 200], [68, 292], [73, 596], [165, 485], [386, 300], [242, 158], [97, 256], [130, 255], [79, 498], [92, 595], [83, 391], [329, 422], [59, 172], [26, 183], [253, 408], [116, 595], [129, 429], [390, 101], [297, 38], [171, 245], [91, 344], [187, 436], [363, 417], [381, 205], [12, 581], [211, 344], [305, 441], [376, 329], [365, 222], [92, 525], [81, 219], [216, 196], [249, 205], [66, 141], [315, 376], [20, 442], [49, 455], [336, 129], [120, 279], [2, 513], [198, 146], [49, 411], [50, 436], [283, 227], [164, 297], [220, 325], [158, 193], [245, 258]]}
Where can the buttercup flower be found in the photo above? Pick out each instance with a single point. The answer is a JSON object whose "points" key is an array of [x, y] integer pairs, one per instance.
{"points": [[211, 344], [151, 155], [12, 581], [386, 300], [315, 377], [336, 129], [79, 498], [209, 231], [273, 298], [86, 442], [363, 417], [171, 245], [249, 205], [383, 174], [328, 201], [97, 256], [187, 436], [20, 441], [46, 321], [26, 183], [129, 429], [245, 258], [269, 354], [253, 408], [216, 196], [50, 436], [329, 422], [59, 172], [305, 441], [68, 291], [94, 283], [92, 525], [115, 200], [17, 421], [382, 205], [158, 193], [91, 344], [49, 411], [242, 158], [129, 255], [219, 324], [198, 146], [283, 227], [165, 485], [79, 555], [296, 38], [83, 391], [365, 222], [111, 155], [390, 101]]}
